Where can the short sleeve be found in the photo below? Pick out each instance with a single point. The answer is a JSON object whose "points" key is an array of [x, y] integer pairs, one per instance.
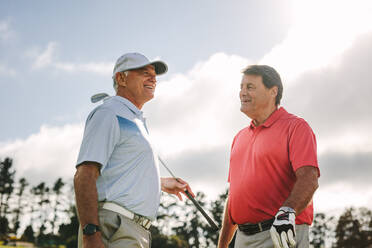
{"points": [[101, 134], [302, 146]]}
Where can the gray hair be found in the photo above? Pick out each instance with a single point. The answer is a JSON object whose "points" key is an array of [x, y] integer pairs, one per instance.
{"points": [[115, 85]]}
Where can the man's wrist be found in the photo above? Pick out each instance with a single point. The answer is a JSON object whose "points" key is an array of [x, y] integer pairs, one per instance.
{"points": [[94, 236], [287, 209], [90, 229]]}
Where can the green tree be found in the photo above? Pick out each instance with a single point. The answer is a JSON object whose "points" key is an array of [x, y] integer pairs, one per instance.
{"points": [[161, 231], [160, 240], [41, 193], [353, 229], [4, 227], [192, 229], [29, 234], [22, 184], [365, 220], [6, 185], [57, 190], [217, 210], [320, 230], [68, 232], [188, 226]]}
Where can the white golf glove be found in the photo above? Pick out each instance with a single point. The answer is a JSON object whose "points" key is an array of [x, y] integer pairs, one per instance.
{"points": [[283, 231]]}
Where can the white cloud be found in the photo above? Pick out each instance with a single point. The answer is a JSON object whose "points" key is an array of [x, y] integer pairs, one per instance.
{"points": [[321, 31], [348, 142], [48, 59], [99, 68], [6, 33], [199, 109], [46, 155], [333, 199]]}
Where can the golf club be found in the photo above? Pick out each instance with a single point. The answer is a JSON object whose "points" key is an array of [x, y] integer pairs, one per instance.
{"points": [[98, 97], [209, 219]]}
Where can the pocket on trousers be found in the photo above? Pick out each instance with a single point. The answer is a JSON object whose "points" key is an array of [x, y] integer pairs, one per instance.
{"points": [[110, 224], [118, 233]]}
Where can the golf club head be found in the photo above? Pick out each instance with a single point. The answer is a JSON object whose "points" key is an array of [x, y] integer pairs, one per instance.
{"points": [[98, 97]]}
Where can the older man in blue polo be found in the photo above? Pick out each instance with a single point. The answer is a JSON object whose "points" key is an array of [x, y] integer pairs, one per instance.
{"points": [[117, 181]]}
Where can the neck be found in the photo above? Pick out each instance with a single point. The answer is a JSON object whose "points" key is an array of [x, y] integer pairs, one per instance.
{"points": [[263, 116], [138, 104]]}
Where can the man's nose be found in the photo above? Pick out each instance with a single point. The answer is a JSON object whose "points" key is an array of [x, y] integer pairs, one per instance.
{"points": [[243, 92], [153, 79]]}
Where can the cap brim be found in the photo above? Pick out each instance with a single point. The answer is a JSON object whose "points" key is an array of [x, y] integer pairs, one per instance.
{"points": [[160, 67]]}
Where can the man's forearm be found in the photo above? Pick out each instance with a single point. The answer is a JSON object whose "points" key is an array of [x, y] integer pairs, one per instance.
{"points": [[303, 189], [87, 201], [86, 197], [228, 229]]}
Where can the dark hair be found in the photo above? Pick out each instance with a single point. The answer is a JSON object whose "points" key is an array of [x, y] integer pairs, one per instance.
{"points": [[270, 78]]}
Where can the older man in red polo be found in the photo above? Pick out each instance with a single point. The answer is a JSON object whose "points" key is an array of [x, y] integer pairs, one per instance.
{"points": [[273, 170]]}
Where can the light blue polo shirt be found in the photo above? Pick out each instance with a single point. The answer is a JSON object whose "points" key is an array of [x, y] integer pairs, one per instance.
{"points": [[116, 137]]}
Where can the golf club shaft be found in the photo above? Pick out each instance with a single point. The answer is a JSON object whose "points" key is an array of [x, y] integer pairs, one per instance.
{"points": [[210, 221], [197, 205]]}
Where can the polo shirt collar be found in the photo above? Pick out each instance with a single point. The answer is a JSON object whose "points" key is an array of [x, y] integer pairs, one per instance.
{"points": [[276, 115], [129, 104]]}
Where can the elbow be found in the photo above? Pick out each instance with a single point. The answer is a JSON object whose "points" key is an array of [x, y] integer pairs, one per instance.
{"points": [[77, 180], [76, 177]]}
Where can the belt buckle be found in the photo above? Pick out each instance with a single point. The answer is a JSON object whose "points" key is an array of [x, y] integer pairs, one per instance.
{"points": [[141, 220], [136, 218]]}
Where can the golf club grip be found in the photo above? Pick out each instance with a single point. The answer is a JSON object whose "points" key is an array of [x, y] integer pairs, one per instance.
{"points": [[210, 221]]}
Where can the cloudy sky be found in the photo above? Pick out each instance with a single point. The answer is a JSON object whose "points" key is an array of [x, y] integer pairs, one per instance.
{"points": [[55, 54]]}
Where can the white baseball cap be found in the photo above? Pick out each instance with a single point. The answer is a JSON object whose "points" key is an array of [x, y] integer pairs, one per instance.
{"points": [[130, 61]]}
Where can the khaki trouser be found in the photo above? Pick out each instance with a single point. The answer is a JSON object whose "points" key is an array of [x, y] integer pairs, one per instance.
{"points": [[118, 231], [263, 239]]}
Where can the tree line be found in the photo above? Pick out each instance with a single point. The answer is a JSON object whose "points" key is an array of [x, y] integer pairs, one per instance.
{"points": [[46, 216]]}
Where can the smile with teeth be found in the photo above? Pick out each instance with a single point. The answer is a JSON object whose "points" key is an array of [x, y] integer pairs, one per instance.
{"points": [[245, 101], [150, 86]]}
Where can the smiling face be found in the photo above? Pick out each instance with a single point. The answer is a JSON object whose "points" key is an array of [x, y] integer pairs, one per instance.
{"points": [[138, 86], [256, 100]]}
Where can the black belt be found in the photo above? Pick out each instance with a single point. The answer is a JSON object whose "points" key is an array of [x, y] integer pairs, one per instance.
{"points": [[250, 229]]}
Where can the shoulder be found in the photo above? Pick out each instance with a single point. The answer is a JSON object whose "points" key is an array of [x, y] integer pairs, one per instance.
{"points": [[293, 120], [105, 111], [299, 126], [241, 134]]}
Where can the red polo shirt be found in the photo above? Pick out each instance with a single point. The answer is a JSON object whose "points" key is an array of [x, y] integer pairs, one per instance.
{"points": [[263, 162]]}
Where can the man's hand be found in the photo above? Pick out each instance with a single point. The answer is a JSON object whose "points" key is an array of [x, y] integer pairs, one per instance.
{"points": [[283, 231], [175, 186]]}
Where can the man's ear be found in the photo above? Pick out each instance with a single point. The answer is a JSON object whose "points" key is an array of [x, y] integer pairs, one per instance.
{"points": [[274, 91], [121, 79]]}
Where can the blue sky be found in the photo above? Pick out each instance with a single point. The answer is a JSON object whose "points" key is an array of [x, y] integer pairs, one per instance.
{"points": [[54, 55]]}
